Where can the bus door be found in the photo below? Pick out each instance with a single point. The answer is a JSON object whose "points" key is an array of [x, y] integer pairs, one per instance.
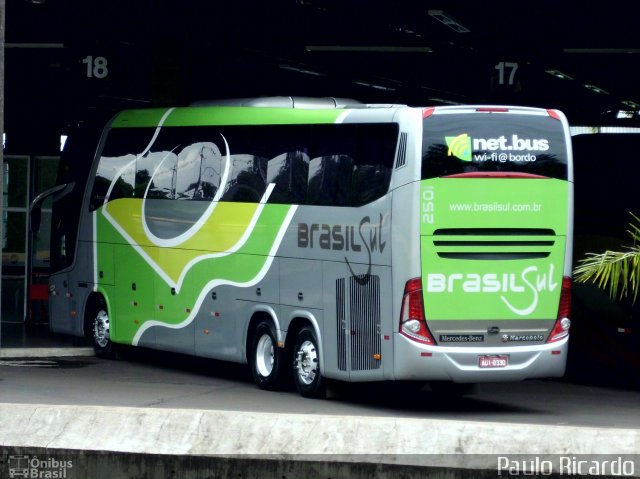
{"points": [[64, 227], [59, 302], [133, 297]]}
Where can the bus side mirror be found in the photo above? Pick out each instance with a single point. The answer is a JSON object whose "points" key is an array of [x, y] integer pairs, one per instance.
{"points": [[35, 213]]}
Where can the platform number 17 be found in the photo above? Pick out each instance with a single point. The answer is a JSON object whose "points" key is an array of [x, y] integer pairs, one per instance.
{"points": [[505, 68]]}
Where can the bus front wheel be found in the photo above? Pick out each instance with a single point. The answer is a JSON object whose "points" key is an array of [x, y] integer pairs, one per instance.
{"points": [[265, 357], [306, 365]]}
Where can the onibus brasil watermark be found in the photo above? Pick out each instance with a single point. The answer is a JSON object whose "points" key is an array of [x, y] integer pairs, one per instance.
{"points": [[38, 468], [566, 466]]}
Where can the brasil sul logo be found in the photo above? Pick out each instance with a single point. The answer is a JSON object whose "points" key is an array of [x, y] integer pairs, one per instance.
{"points": [[459, 146]]}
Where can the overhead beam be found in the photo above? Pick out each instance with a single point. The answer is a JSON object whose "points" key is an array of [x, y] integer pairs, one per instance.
{"points": [[367, 49]]}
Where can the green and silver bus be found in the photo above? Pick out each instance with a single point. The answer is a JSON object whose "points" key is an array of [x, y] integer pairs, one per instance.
{"points": [[321, 239]]}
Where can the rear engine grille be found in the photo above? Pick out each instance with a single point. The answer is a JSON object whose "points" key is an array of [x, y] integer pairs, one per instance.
{"points": [[493, 243], [341, 324], [364, 308]]}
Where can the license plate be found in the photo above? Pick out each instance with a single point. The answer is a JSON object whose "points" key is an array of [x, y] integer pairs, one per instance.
{"points": [[493, 361]]}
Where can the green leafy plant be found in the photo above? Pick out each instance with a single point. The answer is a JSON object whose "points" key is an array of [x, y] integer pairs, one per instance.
{"points": [[617, 272]]}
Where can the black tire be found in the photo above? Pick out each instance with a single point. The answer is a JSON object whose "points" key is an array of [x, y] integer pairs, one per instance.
{"points": [[100, 333], [306, 365], [265, 357]]}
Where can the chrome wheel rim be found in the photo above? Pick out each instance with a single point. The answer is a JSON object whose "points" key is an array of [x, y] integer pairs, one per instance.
{"points": [[307, 362], [101, 329], [264, 356]]}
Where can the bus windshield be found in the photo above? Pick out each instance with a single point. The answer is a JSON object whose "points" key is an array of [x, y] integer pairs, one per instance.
{"points": [[493, 142]]}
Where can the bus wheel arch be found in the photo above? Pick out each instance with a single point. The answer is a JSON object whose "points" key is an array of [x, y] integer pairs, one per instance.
{"points": [[266, 359], [97, 326]]}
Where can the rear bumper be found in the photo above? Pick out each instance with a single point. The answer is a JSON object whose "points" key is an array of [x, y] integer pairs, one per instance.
{"points": [[414, 361]]}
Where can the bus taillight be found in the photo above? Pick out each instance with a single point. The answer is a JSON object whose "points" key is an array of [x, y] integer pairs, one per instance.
{"points": [[553, 114], [428, 112], [413, 323], [563, 323]]}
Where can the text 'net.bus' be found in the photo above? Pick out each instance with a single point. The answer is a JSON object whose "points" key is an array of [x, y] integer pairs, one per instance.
{"points": [[345, 241]]}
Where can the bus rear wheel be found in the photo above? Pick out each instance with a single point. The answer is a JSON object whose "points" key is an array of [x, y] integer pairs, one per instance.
{"points": [[306, 365], [266, 357], [102, 344]]}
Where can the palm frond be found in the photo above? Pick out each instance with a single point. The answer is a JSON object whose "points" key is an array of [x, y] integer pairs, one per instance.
{"points": [[617, 272]]}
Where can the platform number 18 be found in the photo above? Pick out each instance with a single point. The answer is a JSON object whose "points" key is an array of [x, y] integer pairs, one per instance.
{"points": [[96, 67]]}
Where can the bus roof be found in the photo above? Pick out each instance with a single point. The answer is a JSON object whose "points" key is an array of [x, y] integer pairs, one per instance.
{"points": [[286, 111]]}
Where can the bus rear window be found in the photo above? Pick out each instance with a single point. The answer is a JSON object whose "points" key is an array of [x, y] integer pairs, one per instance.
{"points": [[489, 142]]}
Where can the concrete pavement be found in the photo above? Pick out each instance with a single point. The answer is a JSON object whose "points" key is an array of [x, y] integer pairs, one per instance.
{"points": [[193, 442]]}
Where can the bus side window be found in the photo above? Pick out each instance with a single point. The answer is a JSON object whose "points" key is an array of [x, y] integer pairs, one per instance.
{"points": [[247, 181], [122, 172], [374, 158], [330, 180], [163, 177], [199, 171], [370, 182], [289, 171], [114, 179]]}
